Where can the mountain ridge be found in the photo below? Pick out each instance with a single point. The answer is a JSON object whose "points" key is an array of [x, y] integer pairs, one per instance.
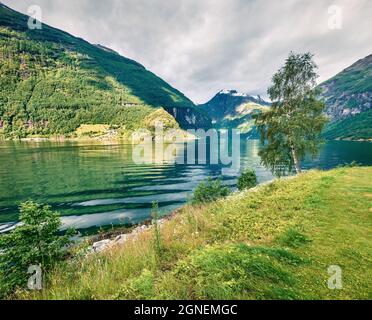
{"points": [[347, 95], [230, 109], [350, 91], [226, 101], [53, 82], [348, 98]]}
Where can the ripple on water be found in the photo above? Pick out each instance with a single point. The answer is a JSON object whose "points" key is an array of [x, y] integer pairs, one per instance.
{"points": [[94, 185]]}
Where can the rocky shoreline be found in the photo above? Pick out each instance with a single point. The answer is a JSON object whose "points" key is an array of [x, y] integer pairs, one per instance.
{"points": [[119, 240]]}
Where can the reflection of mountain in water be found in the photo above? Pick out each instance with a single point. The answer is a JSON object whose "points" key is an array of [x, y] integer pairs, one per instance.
{"points": [[95, 185]]}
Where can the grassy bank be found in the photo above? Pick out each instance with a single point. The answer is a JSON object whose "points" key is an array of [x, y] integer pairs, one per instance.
{"points": [[274, 243]]}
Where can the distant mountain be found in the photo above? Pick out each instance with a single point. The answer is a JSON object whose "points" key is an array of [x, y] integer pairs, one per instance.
{"points": [[348, 97], [227, 102], [52, 82], [232, 109]]}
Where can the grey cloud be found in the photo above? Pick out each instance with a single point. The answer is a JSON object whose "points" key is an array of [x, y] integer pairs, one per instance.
{"points": [[203, 46]]}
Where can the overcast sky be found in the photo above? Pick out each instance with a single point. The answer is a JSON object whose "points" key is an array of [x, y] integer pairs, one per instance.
{"points": [[203, 46]]}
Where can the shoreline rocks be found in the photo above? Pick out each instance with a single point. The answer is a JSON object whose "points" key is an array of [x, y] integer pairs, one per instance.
{"points": [[105, 244]]}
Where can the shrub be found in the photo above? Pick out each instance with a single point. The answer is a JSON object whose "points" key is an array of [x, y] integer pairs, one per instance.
{"points": [[209, 191], [247, 180], [34, 242]]}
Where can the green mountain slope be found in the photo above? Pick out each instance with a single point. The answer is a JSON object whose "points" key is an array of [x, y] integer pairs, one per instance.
{"points": [[51, 82], [353, 128], [348, 97]]}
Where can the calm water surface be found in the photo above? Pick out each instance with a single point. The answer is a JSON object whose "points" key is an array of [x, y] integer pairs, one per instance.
{"points": [[95, 185]]}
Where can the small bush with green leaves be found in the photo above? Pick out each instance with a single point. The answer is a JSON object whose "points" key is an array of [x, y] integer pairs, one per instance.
{"points": [[247, 180], [209, 191], [34, 242]]}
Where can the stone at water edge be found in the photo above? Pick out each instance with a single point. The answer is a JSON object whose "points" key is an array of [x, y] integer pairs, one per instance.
{"points": [[101, 245]]}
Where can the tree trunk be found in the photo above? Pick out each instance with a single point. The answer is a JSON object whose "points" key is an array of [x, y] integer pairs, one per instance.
{"points": [[296, 161]]}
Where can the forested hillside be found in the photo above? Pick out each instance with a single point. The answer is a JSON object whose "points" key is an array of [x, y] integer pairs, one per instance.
{"points": [[52, 82], [353, 128], [348, 97]]}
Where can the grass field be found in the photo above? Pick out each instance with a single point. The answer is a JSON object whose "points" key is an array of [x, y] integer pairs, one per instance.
{"points": [[276, 242]]}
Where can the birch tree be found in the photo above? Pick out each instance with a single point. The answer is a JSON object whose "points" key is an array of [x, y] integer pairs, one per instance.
{"points": [[292, 127]]}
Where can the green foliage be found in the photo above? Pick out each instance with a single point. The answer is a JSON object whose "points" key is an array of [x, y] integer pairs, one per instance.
{"points": [[275, 244], [247, 180], [353, 128], [292, 127], [52, 82], [163, 117], [356, 79], [209, 191], [231, 271], [293, 239], [34, 242], [141, 287], [350, 89]]}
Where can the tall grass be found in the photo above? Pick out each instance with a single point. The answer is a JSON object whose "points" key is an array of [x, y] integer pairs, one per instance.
{"points": [[275, 242]]}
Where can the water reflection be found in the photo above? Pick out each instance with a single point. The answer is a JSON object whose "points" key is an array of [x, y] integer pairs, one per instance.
{"points": [[93, 184]]}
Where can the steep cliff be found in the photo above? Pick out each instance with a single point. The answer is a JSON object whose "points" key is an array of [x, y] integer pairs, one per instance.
{"points": [[348, 97]]}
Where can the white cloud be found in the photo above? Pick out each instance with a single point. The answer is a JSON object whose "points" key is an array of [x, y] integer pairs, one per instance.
{"points": [[202, 46]]}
